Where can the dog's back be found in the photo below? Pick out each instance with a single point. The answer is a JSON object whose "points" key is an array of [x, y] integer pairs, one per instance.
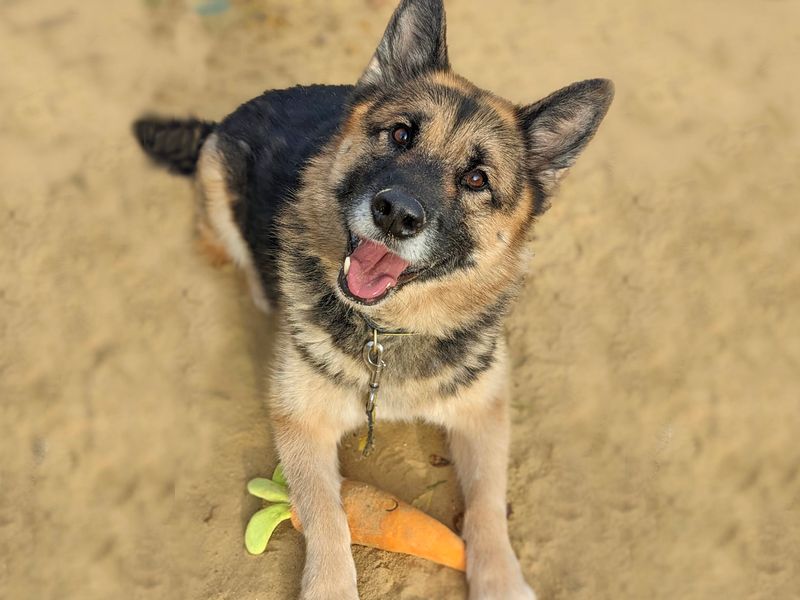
{"points": [[261, 148]]}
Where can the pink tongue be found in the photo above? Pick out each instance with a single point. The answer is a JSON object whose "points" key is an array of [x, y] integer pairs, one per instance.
{"points": [[372, 270]]}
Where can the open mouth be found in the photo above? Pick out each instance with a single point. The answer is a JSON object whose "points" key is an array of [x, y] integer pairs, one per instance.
{"points": [[371, 271]]}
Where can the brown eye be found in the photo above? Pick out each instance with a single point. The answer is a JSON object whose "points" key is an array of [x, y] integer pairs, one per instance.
{"points": [[401, 135], [475, 180]]}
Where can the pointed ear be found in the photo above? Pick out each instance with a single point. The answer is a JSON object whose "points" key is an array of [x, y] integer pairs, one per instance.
{"points": [[414, 42], [559, 127]]}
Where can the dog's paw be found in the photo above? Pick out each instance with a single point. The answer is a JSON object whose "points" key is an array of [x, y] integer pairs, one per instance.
{"points": [[493, 588], [329, 591], [330, 584], [497, 576]]}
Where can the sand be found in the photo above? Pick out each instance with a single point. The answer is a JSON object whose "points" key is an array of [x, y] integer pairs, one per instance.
{"points": [[656, 345]]}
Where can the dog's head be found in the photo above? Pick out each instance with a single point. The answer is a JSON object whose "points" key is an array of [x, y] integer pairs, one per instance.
{"points": [[435, 182]]}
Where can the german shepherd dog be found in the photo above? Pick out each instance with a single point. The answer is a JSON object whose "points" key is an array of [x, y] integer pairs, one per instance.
{"points": [[401, 204]]}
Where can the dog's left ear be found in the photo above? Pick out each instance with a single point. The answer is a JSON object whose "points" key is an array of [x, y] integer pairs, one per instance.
{"points": [[414, 43], [559, 127]]}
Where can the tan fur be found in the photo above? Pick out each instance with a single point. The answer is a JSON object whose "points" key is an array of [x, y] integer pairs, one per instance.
{"points": [[503, 107], [209, 245], [453, 80], [220, 234]]}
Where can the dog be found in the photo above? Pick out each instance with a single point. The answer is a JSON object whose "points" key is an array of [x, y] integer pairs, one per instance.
{"points": [[387, 222]]}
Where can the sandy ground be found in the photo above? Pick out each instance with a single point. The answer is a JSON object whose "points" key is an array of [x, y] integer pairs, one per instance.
{"points": [[656, 345]]}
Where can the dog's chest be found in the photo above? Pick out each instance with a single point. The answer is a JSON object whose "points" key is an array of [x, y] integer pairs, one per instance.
{"points": [[415, 371]]}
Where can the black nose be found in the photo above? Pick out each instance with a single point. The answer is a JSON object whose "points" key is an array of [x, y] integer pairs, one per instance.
{"points": [[397, 213]]}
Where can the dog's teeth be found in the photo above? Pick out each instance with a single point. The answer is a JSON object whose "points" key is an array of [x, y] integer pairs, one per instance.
{"points": [[346, 266]]}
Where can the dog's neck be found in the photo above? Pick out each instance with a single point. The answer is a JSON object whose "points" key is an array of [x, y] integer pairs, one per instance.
{"points": [[419, 355], [322, 324]]}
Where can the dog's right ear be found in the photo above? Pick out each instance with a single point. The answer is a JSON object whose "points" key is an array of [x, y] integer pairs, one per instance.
{"points": [[559, 127], [414, 43]]}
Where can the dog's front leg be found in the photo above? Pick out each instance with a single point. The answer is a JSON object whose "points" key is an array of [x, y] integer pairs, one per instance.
{"points": [[479, 437], [306, 443]]}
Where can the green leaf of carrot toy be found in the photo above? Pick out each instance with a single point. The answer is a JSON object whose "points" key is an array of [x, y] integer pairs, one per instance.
{"points": [[278, 476], [261, 526], [268, 490]]}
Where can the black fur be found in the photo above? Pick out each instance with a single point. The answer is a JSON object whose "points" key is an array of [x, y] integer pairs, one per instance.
{"points": [[173, 143], [266, 142], [319, 365], [471, 371], [467, 108], [269, 140]]}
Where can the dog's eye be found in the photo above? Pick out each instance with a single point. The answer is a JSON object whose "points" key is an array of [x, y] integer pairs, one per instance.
{"points": [[476, 179], [401, 135]]}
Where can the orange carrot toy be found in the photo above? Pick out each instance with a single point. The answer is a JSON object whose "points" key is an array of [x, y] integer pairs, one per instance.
{"points": [[376, 518]]}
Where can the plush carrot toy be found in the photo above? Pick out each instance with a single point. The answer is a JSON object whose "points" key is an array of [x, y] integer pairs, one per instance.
{"points": [[376, 518]]}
